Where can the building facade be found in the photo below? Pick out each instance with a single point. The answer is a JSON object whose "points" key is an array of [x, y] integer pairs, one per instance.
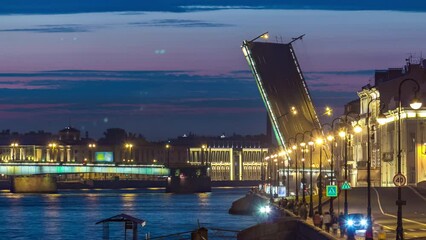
{"points": [[226, 160], [382, 98], [230, 163]]}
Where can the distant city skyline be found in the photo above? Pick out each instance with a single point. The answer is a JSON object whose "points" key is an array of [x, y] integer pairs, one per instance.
{"points": [[164, 72]]}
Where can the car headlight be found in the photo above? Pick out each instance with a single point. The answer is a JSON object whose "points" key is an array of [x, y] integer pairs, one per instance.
{"points": [[364, 222], [265, 209], [350, 222]]}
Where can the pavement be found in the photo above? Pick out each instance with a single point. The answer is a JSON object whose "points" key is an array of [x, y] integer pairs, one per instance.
{"points": [[384, 210], [360, 234]]}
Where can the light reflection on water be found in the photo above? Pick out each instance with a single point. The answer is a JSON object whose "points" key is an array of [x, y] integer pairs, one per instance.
{"points": [[73, 214]]}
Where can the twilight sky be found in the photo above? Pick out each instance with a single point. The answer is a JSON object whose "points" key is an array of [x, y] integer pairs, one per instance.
{"points": [[165, 69]]}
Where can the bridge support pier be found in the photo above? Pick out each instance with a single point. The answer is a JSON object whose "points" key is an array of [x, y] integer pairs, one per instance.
{"points": [[33, 184]]}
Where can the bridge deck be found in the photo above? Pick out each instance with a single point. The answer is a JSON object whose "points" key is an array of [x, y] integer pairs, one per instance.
{"points": [[46, 168]]}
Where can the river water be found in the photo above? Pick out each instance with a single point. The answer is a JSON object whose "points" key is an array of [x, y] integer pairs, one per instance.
{"points": [[73, 214]]}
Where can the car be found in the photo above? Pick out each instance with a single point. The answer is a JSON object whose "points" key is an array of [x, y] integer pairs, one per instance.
{"points": [[357, 221]]}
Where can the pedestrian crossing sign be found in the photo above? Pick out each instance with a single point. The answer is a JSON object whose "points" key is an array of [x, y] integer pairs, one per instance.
{"points": [[331, 191], [346, 186]]}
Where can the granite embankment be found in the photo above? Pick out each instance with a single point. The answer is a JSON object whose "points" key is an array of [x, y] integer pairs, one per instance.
{"points": [[280, 224], [122, 183]]}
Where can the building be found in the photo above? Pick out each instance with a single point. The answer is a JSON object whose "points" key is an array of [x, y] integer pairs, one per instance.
{"points": [[230, 162], [228, 158], [383, 98]]}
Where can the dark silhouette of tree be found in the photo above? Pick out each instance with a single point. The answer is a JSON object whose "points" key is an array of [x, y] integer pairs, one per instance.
{"points": [[113, 136], [118, 136]]}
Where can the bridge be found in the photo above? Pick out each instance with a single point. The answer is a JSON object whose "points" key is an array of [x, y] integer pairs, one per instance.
{"points": [[40, 177], [25, 169]]}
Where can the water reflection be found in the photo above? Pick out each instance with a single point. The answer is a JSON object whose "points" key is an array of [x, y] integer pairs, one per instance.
{"points": [[73, 214]]}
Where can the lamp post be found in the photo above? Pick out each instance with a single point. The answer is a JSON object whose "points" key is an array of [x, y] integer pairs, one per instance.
{"points": [[369, 231], [311, 204], [203, 148], [129, 147], [344, 134], [288, 172], [415, 104], [331, 140], [168, 154], [268, 175], [52, 146], [296, 171], [262, 170], [320, 142], [91, 146], [303, 148], [276, 172], [296, 164], [14, 145]]}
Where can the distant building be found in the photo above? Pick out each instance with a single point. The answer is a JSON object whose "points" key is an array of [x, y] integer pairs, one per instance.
{"points": [[69, 136], [228, 158], [230, 162]]}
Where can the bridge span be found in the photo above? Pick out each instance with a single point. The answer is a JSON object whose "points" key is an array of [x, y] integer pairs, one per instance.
{"points": [[22, 169]]}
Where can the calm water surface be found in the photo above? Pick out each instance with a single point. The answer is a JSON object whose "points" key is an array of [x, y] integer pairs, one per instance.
{"points": [[73, 214]]}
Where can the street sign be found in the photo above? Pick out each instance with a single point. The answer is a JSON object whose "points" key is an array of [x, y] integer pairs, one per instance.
{"points": [[331, 191], [399, 180], [345, 186]]}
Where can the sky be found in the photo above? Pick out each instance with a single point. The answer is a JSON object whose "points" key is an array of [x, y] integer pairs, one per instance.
{"points": [[173, 67]]}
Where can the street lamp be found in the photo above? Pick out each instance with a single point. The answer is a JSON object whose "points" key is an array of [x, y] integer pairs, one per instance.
{"points": [[303, 148], [344, 134], [129, 147], [319, 141], [270, 173], [328, 111], [91, 146], [264, 35], [294, 149], [296, 164], [282, 154], [168, 154], [330, 138], [52, 146], [14, 145], [288, 172], [311, 204], [369, 231], [203, 147], [415, 104]]}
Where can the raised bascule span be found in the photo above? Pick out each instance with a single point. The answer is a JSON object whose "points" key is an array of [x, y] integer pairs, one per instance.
{"points": [[283, 89]]}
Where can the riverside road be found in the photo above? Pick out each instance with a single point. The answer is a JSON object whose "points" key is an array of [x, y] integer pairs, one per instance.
{"points": [[384, 209]]}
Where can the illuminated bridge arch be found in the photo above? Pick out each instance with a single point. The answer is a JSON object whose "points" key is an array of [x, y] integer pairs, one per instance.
{"points": [[16, 169]]}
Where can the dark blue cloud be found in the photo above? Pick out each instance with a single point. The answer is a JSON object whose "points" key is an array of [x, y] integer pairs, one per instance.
{"points": [[139, 101], [366, 72], [179, 23], [65, 28], [82, 6], [129, 87], [146, 102]]}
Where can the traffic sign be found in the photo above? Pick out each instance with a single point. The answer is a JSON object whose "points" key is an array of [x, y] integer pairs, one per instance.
{"points": [[399, 180], [331, 191], [345, 186]]}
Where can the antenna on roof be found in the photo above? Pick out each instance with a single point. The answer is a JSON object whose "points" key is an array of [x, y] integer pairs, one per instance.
{"points": [[296, 38]]}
